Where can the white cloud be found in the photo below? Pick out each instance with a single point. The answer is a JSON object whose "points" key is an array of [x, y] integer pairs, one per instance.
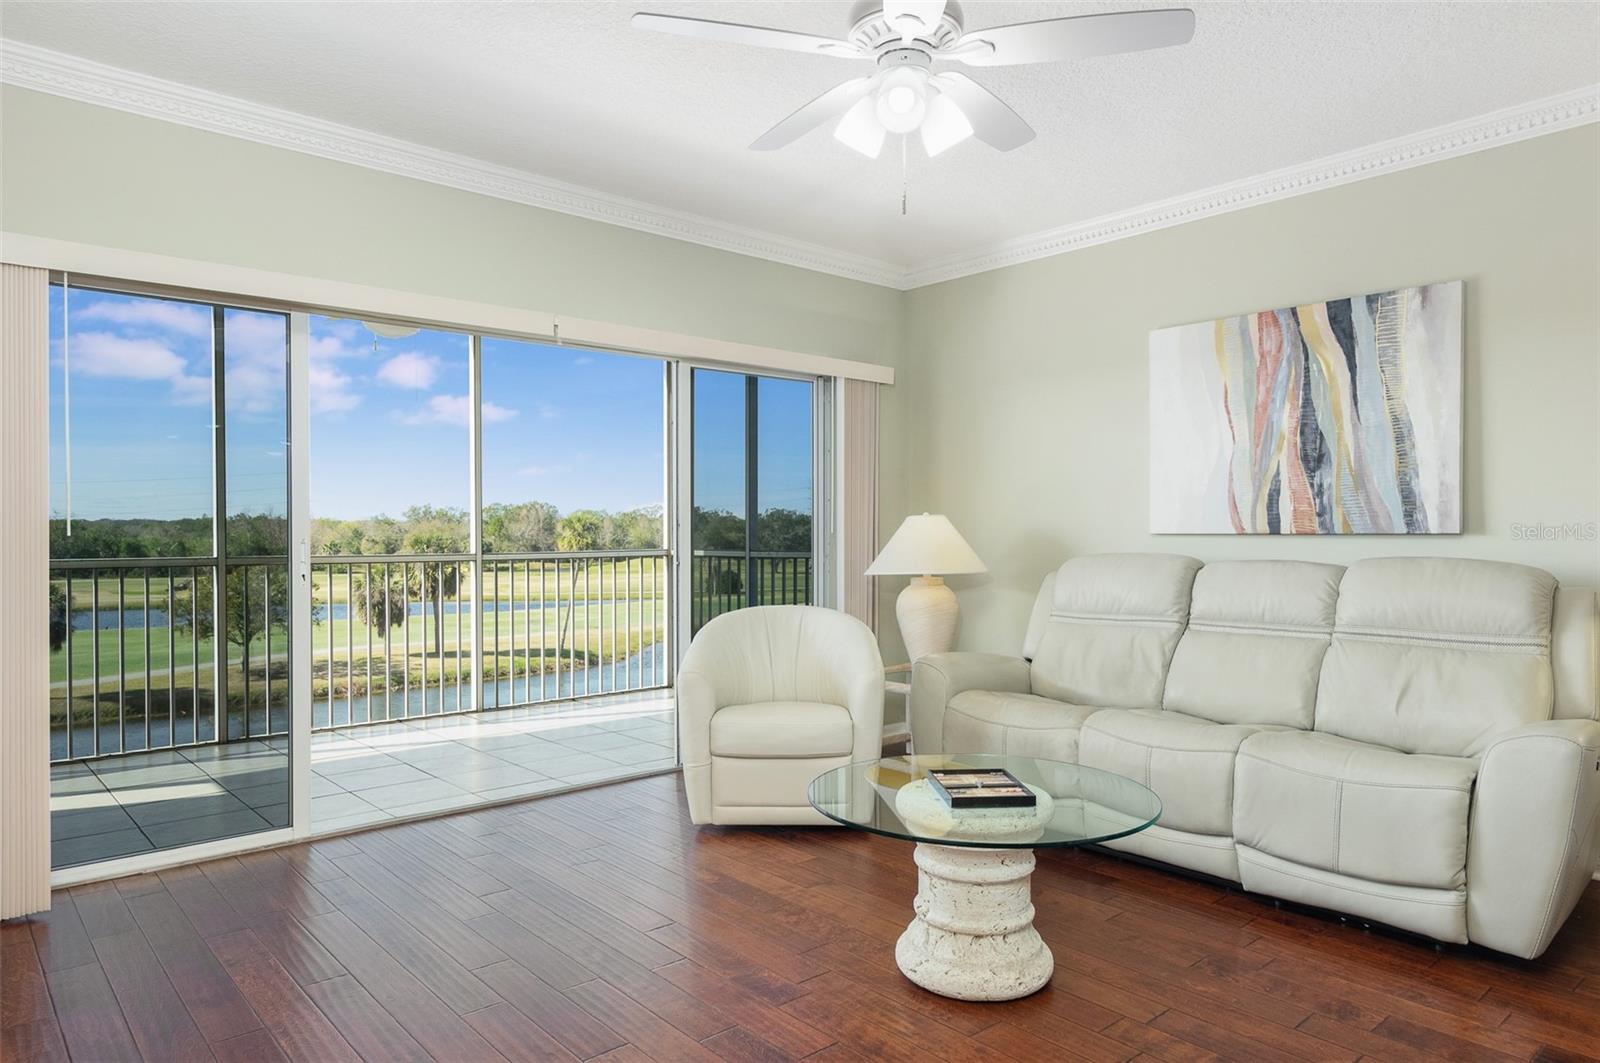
{"points": [[583, 359], [494, 414], [105, 354], [257, 351], [184, 318], [118, 357], [410, 370], [331, 390], [457, 410], [331, 348]]}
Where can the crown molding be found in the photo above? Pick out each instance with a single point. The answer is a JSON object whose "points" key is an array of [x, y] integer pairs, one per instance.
{"points": [[30, 67], [60, 74], [1495, 129]]}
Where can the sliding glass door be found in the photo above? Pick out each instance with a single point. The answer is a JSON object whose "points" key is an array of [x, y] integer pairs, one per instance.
{"points": [[169, 584], [752, 520]]}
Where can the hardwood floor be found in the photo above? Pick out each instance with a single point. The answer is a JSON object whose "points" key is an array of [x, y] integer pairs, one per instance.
{"points": [[602, 925]]}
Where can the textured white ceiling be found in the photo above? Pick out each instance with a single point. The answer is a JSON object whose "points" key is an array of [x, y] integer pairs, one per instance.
{"points": [[567, 90]]}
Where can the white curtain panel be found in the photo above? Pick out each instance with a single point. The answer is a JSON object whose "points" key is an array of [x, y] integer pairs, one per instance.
{"points": [[858, 499], [24, 590]]}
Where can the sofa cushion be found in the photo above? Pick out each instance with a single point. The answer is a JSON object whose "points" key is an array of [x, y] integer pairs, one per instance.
{"points": [[1433, 655], [1253, 647], [1025, 725], [1354, 809], [1113, 622], [775, 729], [1187, 761]]}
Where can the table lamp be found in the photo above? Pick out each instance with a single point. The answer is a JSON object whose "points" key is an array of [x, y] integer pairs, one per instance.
{"points": [[927, 548]]}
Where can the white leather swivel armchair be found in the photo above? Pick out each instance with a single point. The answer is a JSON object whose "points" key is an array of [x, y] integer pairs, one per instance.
{"points": [[768, 699]]}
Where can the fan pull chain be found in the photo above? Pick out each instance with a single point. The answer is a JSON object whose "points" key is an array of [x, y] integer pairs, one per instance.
{"points": [[905, 181]]}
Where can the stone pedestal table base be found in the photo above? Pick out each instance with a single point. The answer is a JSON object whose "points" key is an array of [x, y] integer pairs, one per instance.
{"points": [[973, 935]]}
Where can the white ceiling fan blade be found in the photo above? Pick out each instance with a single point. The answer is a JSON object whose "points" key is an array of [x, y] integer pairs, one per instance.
{"points": [[760, 36], [992, 121], [913, 18], [830, 105], [1075, 38]]}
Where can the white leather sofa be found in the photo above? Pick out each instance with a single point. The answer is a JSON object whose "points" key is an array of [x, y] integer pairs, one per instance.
{"points": [[768, 699], [1413, 741]]}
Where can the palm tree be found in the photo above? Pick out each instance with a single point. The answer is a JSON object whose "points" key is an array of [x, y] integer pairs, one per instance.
{"points": [[576, 531], [435, 580]]}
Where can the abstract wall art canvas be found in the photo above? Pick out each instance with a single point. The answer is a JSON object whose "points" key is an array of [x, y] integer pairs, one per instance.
{"points": [[1333, 418]]}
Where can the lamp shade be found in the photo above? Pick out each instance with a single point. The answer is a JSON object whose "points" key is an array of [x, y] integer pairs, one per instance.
{"points": [[926, 545]]}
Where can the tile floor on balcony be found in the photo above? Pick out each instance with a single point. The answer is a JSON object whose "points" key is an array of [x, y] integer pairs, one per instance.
{"points": [[120, 806]]}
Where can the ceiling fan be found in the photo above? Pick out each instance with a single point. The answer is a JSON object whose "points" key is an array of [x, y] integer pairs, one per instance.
{"points": [[905, 38]]}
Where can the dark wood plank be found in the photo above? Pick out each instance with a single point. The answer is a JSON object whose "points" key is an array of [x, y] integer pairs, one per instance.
{"points": [[218, 1007], [518, 1037], [443, 975], [429, 1020], [89, 1016], [22, 984], [295, 1022], [59, 935], [33, 1042], [369, 1029], [257, 1046], [638, 1025], [292, 945], [161, 1026], [581, 1033], [601, 925]]}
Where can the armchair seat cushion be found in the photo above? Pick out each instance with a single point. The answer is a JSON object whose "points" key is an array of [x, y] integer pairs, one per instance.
{"points": [[782, 729], [1025, 725], [1354, 809]]}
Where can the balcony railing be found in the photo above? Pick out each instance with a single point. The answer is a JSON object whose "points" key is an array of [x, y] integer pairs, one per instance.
{"points": [[135, 659], [721, 581], [395, 636], [392, 637]]}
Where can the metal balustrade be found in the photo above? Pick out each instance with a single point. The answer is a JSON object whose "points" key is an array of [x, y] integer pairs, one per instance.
{"points": [[720, 581], [402, 637], [139, 666], [135, 658]]}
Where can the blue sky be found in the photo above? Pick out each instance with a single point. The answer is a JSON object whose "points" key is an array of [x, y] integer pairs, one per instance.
{"points": [[389, 419], [783, 442], [141, 407]]}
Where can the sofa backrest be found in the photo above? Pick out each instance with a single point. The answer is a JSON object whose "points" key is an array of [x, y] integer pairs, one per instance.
{"points": [[1253, 648], [1436, 655], [1108, 634]]}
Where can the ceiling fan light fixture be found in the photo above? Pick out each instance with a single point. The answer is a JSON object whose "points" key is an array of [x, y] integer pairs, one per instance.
{"points": [[945, 126], [860, 129], [902, 99]]}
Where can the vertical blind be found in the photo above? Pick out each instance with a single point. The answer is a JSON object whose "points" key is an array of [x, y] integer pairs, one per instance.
{"points": [[24, 590], [858, 499]]}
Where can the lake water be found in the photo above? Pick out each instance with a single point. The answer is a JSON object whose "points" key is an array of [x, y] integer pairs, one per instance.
{"points": [[631, 673], [133, 618]]}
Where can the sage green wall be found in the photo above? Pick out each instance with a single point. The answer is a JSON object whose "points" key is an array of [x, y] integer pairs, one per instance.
{"points": [[1030, 383], [89, 174]]}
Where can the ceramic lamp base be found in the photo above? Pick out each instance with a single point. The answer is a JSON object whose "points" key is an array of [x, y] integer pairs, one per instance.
{"points": [[927, 611]]}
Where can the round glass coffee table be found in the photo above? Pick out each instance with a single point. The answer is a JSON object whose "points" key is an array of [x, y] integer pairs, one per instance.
{"points": [[972, 936]]}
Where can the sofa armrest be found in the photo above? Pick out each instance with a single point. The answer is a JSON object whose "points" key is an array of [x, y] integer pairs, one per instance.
{"points": [[697, 703], [1535, 834], [938, 677]]}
